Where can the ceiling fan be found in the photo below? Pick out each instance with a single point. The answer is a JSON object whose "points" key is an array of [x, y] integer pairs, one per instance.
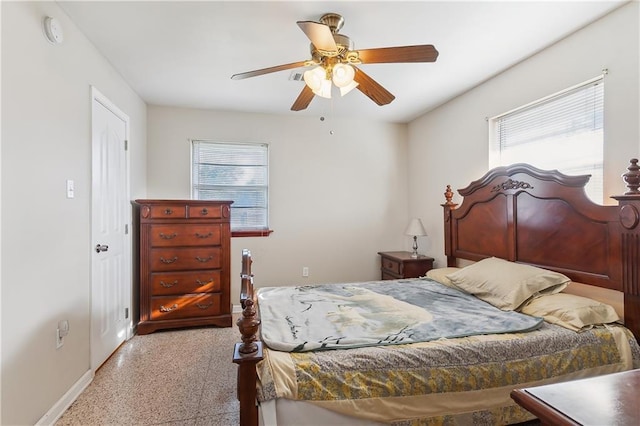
{"points": [[334, 61]]}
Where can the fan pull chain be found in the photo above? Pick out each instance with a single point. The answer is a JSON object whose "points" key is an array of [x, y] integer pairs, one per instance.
{"points": [[331, 114]]}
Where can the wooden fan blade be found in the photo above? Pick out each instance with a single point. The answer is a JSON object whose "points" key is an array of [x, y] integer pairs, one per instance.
{"points": [[372, 89], [304, 99], [268, 70], [421, 53], [320, 35]]}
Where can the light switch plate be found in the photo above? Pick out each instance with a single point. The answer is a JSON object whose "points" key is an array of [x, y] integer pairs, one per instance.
{"points": [[71, 189]]}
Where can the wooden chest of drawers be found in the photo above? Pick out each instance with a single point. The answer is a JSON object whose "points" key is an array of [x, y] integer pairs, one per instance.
{"points": [[184, 263]]}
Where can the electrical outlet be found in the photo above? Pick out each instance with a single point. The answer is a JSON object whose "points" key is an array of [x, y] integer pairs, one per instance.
{"points": [[305, 271]]}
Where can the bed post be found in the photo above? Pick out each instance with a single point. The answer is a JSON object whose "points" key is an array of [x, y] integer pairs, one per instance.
{"points": [[248, 353], [629, 216], [448, 207]]}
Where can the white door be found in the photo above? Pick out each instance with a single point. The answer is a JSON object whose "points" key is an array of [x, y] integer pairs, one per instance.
{"points": [[110, 217]]}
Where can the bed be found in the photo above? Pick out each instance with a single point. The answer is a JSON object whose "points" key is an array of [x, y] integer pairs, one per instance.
{"points": [[512, 218]]}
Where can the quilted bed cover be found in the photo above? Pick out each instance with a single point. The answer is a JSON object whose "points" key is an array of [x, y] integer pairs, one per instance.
{"points": [[465, 380], [341, 316]]}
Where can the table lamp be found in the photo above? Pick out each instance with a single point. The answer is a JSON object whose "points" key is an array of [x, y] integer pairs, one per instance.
{"points": [[415, 229]]}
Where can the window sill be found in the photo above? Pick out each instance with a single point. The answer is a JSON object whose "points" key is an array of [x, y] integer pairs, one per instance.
{"points": [[251, 233]]}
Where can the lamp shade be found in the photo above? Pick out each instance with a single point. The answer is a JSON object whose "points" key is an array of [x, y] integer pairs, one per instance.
{"points": [[324, 90], [349, 87], [343, 75], [314, 77], [415, 228]]}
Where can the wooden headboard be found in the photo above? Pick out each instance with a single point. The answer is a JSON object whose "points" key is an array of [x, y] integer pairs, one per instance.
{"points": [[544, 218]]}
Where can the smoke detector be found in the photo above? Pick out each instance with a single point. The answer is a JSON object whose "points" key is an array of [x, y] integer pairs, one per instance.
{"points": [[53, 30]]}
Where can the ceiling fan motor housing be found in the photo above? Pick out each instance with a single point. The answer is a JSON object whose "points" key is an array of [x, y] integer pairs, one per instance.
{"points": [[343, 43], [333, 20]]}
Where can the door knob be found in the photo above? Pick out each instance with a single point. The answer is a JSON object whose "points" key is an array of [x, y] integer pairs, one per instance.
{"points": [[100, 248]]}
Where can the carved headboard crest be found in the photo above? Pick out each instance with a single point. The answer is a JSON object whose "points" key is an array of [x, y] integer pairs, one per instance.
{"points": [[511, 184]]}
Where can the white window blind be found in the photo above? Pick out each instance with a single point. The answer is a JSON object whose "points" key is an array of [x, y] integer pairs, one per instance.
{"points": [[233, 171], [563, 131]]}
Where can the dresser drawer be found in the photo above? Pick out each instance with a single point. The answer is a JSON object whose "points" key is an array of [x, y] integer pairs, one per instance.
{"points": [[392, 265], [165, 283], [208, 212], [186, 306], [182, 259], [386, 275], [185, 235], [166, 211]]}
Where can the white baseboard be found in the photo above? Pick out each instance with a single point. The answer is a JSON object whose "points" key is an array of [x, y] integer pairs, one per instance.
{"points": [[67, 399], [237, 309]]}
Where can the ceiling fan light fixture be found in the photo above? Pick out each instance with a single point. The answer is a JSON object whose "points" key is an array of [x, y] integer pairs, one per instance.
{"points": [[343, 75]]}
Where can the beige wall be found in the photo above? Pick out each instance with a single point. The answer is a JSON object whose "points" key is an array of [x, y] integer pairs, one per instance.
{"points": [[335, 200], [449, 145], [46, 139]]}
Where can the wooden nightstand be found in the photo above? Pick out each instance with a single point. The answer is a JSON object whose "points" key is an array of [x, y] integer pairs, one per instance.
{"points": [[400, 264]]}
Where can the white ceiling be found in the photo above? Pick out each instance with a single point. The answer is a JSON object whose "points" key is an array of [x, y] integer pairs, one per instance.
{"points": [[183, 53]]}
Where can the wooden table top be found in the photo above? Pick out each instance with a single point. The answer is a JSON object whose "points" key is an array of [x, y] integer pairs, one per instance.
{"points": [[612, 399]]}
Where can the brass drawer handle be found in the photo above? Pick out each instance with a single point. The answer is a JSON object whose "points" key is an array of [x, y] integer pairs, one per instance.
{"points": [[169, 309], [168, 261], [199, 235], [204, 282], [203, 259], [204, 212], [168, 285], [168, 212], [201, 306], [168, 237]]}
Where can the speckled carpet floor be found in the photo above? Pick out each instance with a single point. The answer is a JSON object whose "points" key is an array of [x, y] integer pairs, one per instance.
{"points": [[173, 377]]}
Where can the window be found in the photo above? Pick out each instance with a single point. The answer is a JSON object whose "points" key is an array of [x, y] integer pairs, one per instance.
{"points": [[563, 131], [238, 172]]}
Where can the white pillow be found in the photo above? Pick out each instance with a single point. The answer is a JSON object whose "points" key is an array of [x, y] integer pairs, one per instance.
{"points": [[570, 311], [507, 285]]}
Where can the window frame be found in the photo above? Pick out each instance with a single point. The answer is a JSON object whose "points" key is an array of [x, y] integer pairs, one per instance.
{"points": [[240, 232], [495, 140]]}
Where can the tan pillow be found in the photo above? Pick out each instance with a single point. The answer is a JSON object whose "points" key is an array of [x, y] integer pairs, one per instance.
{"points": [[570, 311], [440, 275], [506, 285]]}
